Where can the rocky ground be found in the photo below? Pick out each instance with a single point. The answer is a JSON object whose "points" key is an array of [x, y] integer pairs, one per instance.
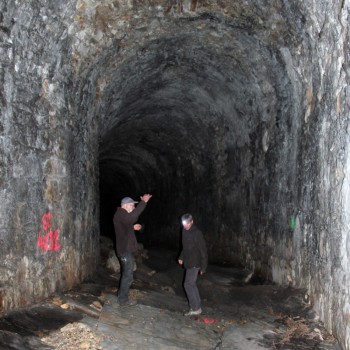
{"points": [[240, 312]]}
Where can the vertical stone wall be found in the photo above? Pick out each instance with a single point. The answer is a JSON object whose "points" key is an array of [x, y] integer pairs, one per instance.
{"points": [[48, 183], [321, 253], [302, 234]]}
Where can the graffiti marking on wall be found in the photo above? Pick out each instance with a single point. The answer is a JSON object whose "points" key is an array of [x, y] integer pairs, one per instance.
{"points": [[48, 240]]}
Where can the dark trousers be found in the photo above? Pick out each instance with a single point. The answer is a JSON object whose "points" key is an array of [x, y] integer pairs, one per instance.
{"points": [[127, 271], [191, 289]]}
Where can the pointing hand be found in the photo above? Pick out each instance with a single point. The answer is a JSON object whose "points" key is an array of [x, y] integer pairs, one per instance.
{"points": [[146, 197]]}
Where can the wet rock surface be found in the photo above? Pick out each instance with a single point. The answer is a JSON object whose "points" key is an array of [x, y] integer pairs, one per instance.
{"points": [[240, 311]]}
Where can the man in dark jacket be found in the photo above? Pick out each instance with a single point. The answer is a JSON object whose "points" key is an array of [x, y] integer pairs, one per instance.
{"points": [[126, 244], [194, 257]]}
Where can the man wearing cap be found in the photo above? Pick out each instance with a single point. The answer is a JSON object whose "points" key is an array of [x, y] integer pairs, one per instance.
{"points": [[126, 244], [194, 257]]}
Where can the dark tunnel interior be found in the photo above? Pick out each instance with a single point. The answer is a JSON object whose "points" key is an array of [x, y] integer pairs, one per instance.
{"points": [[201, 128], [234, 111]]}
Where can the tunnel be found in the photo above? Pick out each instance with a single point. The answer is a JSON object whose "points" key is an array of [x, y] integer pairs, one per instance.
{"points": [[234, 111], [196, 132]]}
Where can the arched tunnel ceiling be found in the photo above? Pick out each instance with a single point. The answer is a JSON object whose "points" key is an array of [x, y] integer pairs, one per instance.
{"points": [[175, 114], [170, 98]]}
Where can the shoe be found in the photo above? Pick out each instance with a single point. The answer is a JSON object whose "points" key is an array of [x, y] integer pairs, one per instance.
{"points": [[128, 303], [193, 312]]}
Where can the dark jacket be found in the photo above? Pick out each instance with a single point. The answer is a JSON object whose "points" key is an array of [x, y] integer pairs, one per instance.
{"points": [[124, 228], [194, 250]]}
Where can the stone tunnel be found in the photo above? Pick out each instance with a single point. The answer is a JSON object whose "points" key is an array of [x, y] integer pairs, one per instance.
{"points": [[235, 111]]}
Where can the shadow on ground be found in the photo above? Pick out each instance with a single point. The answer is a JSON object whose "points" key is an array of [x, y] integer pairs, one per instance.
{"points": [[238, 313]]}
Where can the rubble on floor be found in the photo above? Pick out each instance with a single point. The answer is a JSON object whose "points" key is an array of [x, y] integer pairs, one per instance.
{"points": [[237, 314]]}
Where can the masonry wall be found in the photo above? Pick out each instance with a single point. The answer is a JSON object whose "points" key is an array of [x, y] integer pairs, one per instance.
{"points": [[237, 112], [48, 179]]}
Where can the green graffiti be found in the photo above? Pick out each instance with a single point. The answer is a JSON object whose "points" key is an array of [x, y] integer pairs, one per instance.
{"points": [[292, 223]]}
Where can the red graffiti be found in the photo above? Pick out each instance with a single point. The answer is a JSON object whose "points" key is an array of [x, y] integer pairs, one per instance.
{"points": [[49, 240], [46, 220]]}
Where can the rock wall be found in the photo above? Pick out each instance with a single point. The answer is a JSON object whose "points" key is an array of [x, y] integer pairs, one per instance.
{"points": [[48, 181], [234, 111]]}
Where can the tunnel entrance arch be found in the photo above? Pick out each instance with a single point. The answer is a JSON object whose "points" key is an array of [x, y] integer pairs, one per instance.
{"points": [[198, 128]]}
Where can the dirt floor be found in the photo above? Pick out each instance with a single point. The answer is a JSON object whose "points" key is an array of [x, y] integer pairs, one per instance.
{"points": [[240, 311]]}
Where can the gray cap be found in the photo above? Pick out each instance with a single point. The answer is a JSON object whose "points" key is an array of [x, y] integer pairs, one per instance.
{"points": [[187, 218], [128, 200]]}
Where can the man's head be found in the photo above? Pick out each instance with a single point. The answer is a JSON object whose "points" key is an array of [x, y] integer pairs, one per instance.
{"points": [[128, 204], [187, 221]]}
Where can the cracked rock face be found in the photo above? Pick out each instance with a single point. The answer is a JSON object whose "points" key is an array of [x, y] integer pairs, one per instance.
{"points": [[234, 111]]}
